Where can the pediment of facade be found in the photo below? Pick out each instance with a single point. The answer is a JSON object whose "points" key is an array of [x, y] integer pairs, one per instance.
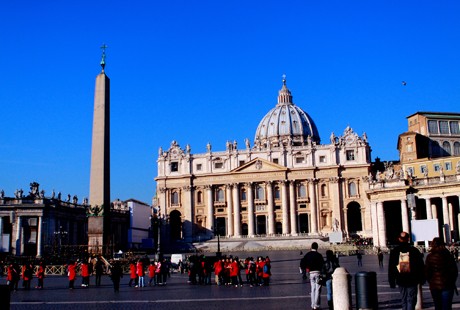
{"points": [[259, 165]]}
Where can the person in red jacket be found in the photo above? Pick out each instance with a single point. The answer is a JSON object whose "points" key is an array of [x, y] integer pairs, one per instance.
{"points": [[218, 271], [152, 269], [71, 273], [234, 271], [85, 274], [260, 270], [40, 275], [140, 273], [13, 276], [27, 274], [132, 274]]}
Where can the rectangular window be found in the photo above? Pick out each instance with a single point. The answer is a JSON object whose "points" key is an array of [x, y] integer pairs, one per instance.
{"points": [[244, 209], [433, 127], [437, 167], [242, 162], [275, 160], [350, 155], [299, 160], [302, 206], [444, 127], [411, 170], [218, 165], [199, 167], [454, 128], [422, 169], [174, 167], [322, 159], [448, 166], [277, 207]]}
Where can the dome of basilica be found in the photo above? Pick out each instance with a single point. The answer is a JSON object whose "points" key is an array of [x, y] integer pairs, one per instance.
{"points": [[286, 124]]}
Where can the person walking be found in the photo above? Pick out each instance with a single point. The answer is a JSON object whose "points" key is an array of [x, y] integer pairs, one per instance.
{"points": [[99, 270], [132, 274], [359, 256], [441, 272], [140, 273], [380, 258], [406, 269], [313, 262], [329, 267]]}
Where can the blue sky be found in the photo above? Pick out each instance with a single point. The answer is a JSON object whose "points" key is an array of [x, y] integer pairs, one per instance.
{"points": [[208, 71]]}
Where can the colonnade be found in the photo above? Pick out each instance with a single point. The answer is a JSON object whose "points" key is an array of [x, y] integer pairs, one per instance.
{"points": [[379, 225]]}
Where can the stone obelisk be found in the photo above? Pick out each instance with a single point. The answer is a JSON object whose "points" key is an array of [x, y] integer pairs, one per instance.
{"points": [[99, 196]]}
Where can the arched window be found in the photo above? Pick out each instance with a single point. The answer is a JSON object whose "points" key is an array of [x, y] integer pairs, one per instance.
{"points": [[199, 197], [456, 148], [243, 195], [446, 147], [323, 190], [259, 192], [302, 191], [174, 198], [277, 193], [352, 189], [220, 195]]}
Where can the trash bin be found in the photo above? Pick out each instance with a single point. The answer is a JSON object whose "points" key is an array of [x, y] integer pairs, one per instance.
{"points": [[366, 290], [5, 297]]}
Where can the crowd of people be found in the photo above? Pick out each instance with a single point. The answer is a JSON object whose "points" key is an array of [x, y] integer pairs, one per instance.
{"points": [[228, 270], [15, 271]]}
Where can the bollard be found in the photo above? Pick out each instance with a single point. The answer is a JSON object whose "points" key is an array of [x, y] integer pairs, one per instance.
{"points": [[366, 290], [341, 288], [5, 297]]}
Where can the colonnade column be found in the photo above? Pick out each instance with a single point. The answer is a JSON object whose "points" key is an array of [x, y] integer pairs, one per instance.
{"points": [[18, 236], [445, 218], [251, 231], [375, 224], [270, 208], [39, 237], [451, 216], [210, 216], [404, 216], [292, 208], [429, 212], [236, 211], [285, 207], [229, 210], [313, 206], [382, 225]]}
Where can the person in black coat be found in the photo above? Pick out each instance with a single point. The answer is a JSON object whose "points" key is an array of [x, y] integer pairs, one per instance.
{"points": [[313, 263], [116, 273]]}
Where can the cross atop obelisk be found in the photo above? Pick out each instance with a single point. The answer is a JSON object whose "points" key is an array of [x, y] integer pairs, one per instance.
{"points": [[99, 196]]}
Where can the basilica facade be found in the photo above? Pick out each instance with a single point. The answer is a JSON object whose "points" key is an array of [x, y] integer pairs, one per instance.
{"points": [[284, 183]]}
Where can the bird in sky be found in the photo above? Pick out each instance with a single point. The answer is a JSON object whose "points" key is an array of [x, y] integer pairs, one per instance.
{"points": [[403, 83]]}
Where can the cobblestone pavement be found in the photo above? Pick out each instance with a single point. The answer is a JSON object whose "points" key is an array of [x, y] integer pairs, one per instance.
{"points": [[287, 290]]}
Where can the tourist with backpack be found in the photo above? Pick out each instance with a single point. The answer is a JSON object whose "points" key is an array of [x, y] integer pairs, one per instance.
{"points": [[406, 269]]}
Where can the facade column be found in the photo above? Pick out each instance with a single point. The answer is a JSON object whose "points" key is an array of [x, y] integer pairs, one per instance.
{"points": [[374, 224], [313, 207], [18, 235], [251, 231], [434, 210], [210, 217], [429, 213], [404, 216], [451, 216], [270, 208], [285, 207], [337, 210], [237, 210], [229, 210], [1, 234], [292, 208], [382, 224], [188, 214], [39, 236]]}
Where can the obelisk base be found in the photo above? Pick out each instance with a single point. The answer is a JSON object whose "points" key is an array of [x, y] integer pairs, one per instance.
{"points": [[96, 234]]}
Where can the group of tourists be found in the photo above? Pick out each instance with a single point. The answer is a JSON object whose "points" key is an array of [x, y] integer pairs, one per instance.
{"points": [[158, 272], [14, 273], [229, 270], [406, 269]]}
